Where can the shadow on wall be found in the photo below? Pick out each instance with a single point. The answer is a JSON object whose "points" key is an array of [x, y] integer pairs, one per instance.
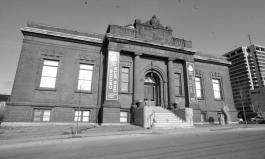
{"points": [[211, 120], [2, 111]]}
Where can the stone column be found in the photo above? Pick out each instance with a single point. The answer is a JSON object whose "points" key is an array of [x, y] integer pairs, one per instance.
{"points": [[136, 78], [171, 86], [111, 106]]}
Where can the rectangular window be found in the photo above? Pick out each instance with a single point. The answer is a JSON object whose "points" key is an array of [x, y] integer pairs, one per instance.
{"points": [[49, 73], [125, 71], [198, 86], [123, 117], [41, 115], [85, 77], [203, 116], [178, 88], [217, 89], [82, 115]]}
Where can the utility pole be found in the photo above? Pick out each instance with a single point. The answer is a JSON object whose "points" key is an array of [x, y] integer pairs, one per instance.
{"points": [[243, 106], [79, 112]]}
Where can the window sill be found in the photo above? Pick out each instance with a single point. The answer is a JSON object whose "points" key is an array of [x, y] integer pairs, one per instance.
{"points": [[46, 89], [218, 99], [83, 92], [125, 93], [181, 96]]}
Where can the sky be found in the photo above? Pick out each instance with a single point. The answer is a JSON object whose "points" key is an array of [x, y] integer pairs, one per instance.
{"points": [[214, 26]]}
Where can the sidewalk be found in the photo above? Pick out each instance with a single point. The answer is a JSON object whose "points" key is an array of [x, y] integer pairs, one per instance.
{"points": [[40, 134]]}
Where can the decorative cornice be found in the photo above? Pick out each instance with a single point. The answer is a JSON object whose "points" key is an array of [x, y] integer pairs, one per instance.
{"points": [[138, 53], [171, 58], [184, 50], [61, 34], [211, 60]]}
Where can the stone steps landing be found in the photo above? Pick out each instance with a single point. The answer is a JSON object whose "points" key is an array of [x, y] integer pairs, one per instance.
{"points": [[165, 119]]}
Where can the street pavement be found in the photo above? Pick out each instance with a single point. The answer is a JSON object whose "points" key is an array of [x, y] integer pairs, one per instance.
{"points": [[243, 143]]}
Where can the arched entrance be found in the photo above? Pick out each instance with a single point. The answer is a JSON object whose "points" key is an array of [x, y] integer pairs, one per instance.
{"points": [[152, 90]]}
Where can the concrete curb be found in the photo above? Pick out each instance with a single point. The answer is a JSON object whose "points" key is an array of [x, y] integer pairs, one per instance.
{"points": [[116, 134]]}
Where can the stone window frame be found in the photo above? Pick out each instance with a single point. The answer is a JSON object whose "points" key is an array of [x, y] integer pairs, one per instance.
{"points": [[40, 68], [82, 111], [217, 76], [200, 75], [77, 69], [128, 83], [128, 115], [180, 82], [126, 64], [42, 109]]}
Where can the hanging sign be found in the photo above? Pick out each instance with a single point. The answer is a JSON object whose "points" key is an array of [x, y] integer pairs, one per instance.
{"points": [[112, 76], [191, 82]]}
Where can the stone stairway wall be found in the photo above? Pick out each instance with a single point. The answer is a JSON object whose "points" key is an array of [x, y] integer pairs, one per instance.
{"points": [[159, 117], [164, 118]]}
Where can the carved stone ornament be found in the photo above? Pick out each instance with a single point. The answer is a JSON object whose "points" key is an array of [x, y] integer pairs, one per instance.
{"points": [[154, 22]]}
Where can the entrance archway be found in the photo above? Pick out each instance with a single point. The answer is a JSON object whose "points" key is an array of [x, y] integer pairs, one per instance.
{"points": [[152, 89]]}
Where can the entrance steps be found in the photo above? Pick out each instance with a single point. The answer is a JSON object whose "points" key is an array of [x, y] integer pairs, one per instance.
{"points": [[165, 119]]}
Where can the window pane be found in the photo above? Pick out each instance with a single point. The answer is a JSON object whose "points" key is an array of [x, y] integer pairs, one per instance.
{"points": [[216, 87], [85, 75], [178, 90], [217, 95], [86, 67], [78, 115], [84, 85], [123, 117], [199, 93], [123, 120], [85, 116], [85, 119], [198, 85], [47, 82], [124, 87], [125, 70], [46, 115], [85, 113], [123, 114], [125, 77], [215, 81], [51, 63], [37, 115], [177, 79], [49, 71]]}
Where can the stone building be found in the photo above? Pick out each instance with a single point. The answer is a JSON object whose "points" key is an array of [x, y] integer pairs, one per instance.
{"points": [[65, 75]]}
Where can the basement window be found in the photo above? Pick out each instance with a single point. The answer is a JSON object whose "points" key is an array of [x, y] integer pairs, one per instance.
{"points": [[124, 117]]}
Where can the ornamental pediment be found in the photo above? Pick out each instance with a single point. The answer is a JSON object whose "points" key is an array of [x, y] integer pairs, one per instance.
{"points": [[150, 31]]}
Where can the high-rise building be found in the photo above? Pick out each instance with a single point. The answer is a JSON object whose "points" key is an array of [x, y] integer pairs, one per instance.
{"points": [[247, 72]]}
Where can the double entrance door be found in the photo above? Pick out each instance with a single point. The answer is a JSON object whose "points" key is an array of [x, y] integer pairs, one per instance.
{"points": [[152, 93]]}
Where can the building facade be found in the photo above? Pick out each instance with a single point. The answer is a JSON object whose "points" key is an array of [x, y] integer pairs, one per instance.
{"points": [[258, 100], [66, 75], [247, 72]]}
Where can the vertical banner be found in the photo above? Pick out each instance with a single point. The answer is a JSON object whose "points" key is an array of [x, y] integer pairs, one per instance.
{"points": [[191, 82], [112, 75]]}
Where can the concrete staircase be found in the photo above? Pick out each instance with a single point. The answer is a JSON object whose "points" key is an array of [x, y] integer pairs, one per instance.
{"points": [[166, 119]]}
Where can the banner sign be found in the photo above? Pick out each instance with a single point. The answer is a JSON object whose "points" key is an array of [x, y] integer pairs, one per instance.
{"points": [[112, 76], [191, 82]]}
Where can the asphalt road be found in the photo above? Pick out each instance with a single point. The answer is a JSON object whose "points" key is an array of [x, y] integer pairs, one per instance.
{"points": [[241, 143]]}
